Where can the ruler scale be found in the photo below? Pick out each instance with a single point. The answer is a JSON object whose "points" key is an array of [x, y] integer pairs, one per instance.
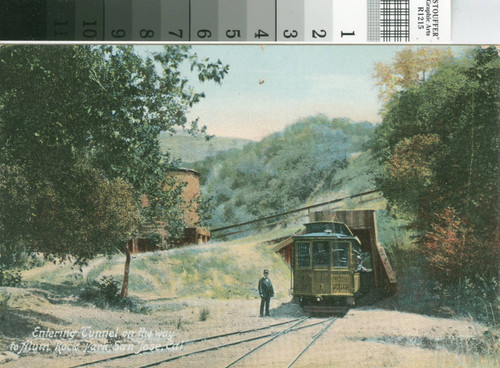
{"points": [[326, 21]]}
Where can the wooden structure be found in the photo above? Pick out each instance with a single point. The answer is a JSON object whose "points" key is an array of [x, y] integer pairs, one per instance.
{"points": [[196, 235], [193, 234], [284, 248]]}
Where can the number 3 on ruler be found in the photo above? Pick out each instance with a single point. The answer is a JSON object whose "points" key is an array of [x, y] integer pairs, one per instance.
{"points": [[288, 34]]}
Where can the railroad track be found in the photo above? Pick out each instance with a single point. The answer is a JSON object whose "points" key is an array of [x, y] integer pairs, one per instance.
{"points": [[184, 343], [295, 325]]}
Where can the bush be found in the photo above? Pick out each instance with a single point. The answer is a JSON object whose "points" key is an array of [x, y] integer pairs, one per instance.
{"points": [[9, 277], [106, 294], [454, 253], [4, 300], [204, 313], [477, 298]]}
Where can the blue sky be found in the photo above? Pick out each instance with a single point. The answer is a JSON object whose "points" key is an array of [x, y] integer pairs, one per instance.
{"points": [[298, 81]]}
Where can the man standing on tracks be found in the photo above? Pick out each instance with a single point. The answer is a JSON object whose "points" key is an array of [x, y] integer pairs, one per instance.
{"points": [[266, 292]]}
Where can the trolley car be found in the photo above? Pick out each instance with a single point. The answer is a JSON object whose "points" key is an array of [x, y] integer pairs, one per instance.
{"points": [[327, 267]]}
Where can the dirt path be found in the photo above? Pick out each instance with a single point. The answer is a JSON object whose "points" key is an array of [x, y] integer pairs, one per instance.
{"points": [[365, 337]]}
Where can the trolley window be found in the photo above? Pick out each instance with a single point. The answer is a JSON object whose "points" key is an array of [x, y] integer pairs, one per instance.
{"points": [[321, 254], [342, 229], [334, 227], [341, 254], [304, 254]]}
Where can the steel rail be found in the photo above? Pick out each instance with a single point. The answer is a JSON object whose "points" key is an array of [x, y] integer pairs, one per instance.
{"points": [[313, 341], [225, 345], [265, 343], [201, 339]]}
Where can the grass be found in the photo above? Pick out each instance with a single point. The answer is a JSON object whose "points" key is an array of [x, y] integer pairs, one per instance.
{"points": [[204, 313], [220, 270], [178, 323], [4, 299]]}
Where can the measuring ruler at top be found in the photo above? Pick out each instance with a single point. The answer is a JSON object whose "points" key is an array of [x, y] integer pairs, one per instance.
{"points": [[331, 21]]}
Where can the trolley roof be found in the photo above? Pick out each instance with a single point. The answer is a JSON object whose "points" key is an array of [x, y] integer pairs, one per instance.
{"points": [[328, 229]]}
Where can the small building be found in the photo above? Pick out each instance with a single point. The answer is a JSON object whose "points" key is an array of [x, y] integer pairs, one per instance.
{"points": [[193, 234]]}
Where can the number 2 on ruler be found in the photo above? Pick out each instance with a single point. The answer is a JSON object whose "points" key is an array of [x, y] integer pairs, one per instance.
{"points": [[319, 34]]}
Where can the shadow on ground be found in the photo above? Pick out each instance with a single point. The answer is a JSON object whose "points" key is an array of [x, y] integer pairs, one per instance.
{"points": [[16, 323], [287, 310]]}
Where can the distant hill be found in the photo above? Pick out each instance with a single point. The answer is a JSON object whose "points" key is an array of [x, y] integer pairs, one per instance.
{"points": [[284, 170], [190, 149]]}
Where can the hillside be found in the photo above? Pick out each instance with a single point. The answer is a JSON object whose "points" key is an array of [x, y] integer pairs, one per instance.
{"points": [[282, 171], [190, 149], [356, 176], [214, 270]]}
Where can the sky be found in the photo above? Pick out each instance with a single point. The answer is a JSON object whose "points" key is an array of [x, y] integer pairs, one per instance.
{"points": [[270, 87]]}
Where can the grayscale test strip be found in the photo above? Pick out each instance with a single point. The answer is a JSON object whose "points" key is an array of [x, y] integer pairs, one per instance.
{"points": [[330, 21]]}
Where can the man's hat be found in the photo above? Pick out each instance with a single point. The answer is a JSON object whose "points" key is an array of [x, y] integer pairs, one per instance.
{"points": [[266, 271]]}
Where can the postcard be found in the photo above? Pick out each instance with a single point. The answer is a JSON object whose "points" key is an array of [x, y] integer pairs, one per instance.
{"points": [[154, 200]]}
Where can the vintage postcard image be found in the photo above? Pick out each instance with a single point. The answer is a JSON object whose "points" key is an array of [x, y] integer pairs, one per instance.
{"points": [[249, 206]]}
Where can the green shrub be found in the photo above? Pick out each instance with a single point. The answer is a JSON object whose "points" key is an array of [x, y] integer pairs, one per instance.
{"points": [[477, 298], [9, 277], [204, 313], [179, 323], [4, 300], [106, 294]]}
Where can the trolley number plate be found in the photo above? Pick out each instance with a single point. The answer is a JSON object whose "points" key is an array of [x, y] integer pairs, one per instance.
{"points": [[340, 286]]}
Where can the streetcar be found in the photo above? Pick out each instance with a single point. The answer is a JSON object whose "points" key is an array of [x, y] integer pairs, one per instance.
{"points": [[327, 267]]}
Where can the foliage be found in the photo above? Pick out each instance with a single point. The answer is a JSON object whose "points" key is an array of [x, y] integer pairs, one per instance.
{"points": [[107, 217], [478, 298], [106, 294], [357, 175], [409, 67], [452, 250], [4, 300], [9, 277], [15, 210], [206, 208], [412, 167], [440, 159], [280, 172], [107, 288], [79, 126], [179, 323], [204, 313]]}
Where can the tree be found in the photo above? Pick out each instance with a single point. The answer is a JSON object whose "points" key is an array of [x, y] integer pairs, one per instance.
{"points": [[15, 211], [80, 125], [409, 67], [453, 251], [440, 147]]}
